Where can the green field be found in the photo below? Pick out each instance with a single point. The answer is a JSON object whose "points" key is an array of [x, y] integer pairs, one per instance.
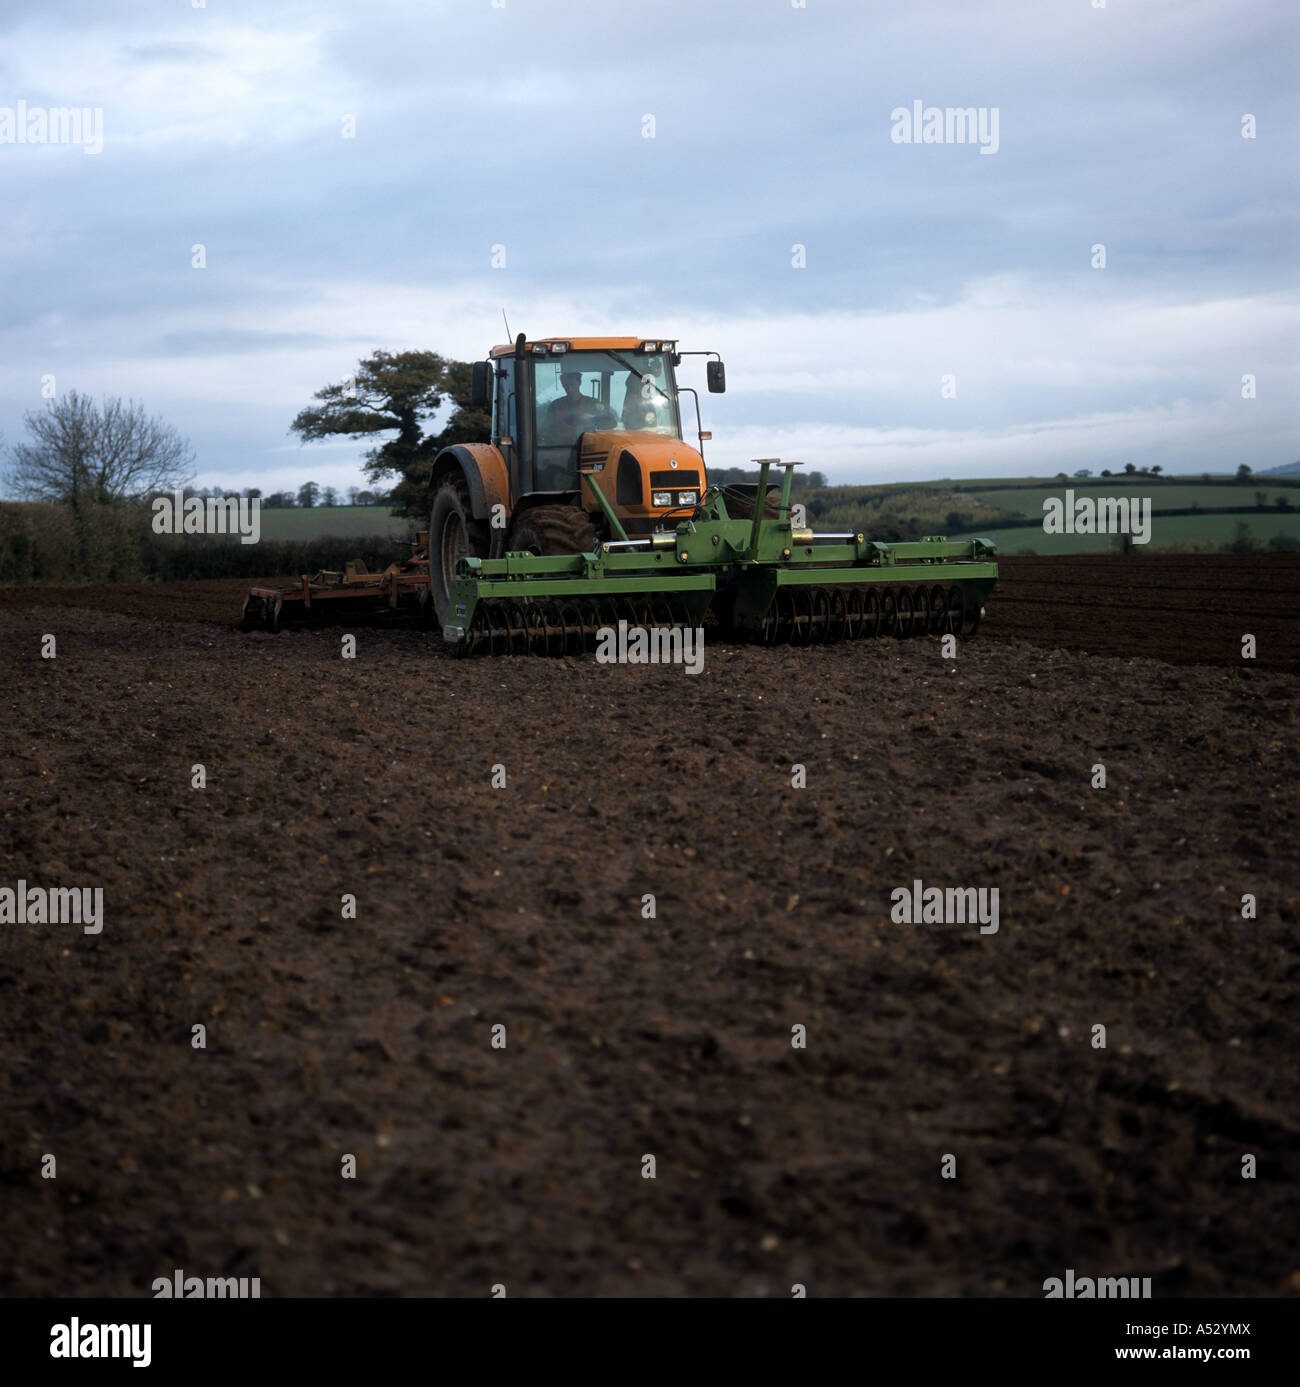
{"points": [[983, 507], [300, 522], [1028, 500], [867, 507], [930, 502], [1165, 530], [1128, 480]]}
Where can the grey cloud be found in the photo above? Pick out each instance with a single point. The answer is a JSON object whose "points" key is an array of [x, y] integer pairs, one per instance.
{"points": [[522, 127], [232, 343]]}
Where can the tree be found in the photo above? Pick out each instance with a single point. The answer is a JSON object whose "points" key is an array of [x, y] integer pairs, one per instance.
{"points": [[1156, 470], [252, 492], [1284, 502], [1129, 468], [1243, 542], [399, 393], [277, 500], [353, 493], [329, 497], [365, 498], [1083, 472], [1106, 472], [1261, 500], [81, 450], [307, 494], [1243, 472]]}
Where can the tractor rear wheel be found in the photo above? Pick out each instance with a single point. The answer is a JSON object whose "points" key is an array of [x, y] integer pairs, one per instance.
{"points": [[548, 530], [453, 535]]}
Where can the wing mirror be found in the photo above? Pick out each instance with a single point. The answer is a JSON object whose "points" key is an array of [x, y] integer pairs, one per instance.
{"points": [[717, 374], [480, 388]]}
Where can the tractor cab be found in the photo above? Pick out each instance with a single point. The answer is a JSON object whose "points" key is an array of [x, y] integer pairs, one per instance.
{"points": [[603, 391], [561, 407]]}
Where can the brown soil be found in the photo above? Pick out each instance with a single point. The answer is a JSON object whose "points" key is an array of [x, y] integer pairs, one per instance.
{"points": [[1191, 609], [669, 1036]]}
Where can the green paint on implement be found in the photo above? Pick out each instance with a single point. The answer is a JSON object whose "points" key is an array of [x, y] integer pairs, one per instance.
{"points": [[740, 567]]}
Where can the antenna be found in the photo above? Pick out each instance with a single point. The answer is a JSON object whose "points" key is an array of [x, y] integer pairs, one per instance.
{"points": [[507, 323]]}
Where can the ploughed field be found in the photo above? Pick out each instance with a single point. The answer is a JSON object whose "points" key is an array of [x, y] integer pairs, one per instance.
{"points": [[628, 1036]]}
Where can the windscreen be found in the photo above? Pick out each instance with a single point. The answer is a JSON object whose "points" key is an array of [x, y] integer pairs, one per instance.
{"points": [[579, 391]]}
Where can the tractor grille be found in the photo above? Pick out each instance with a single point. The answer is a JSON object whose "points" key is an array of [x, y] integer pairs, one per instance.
{"points": [[678, 481]]}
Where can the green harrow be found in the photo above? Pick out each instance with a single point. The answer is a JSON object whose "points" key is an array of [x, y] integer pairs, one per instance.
{"points": [[756, 578]]}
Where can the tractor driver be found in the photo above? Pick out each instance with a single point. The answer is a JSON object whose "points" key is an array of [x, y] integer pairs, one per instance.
{"points": [[572, 413]]}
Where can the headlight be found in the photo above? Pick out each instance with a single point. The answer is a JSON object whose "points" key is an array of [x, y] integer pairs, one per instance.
{"points": [[685, 498], [661, 498]]}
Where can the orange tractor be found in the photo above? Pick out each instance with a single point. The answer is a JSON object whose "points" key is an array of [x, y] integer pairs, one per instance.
{"points": [[569, 416]]}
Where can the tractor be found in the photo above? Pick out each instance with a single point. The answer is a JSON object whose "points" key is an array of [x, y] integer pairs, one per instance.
{"points": [[588, 509], [570, 417]]}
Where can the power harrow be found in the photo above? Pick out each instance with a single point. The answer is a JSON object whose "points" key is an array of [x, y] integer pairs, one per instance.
{"points": [[398, 594], [755, 577]]}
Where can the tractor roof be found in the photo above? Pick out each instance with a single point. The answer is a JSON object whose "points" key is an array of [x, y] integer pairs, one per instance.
{"points": [[587, 344]]}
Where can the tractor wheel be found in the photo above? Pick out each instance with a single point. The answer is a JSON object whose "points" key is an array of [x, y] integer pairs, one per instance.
{"points": [[548, 530], [453, 535]]}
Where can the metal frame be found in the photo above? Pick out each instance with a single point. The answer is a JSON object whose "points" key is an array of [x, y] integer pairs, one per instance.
{"points": [[757, 557]]}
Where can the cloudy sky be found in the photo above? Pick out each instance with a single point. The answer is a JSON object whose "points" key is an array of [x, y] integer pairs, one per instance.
{"points": [[523, 123]]}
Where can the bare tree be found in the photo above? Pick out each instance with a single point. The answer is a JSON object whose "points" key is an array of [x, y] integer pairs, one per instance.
{"points": [[81, 450]]}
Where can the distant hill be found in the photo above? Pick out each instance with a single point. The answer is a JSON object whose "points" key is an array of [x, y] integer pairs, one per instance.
{"points": [[1288, 469]]}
